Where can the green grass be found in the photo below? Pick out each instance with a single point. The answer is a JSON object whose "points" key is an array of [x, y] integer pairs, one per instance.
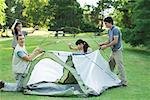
{"points": [[136, 61]]}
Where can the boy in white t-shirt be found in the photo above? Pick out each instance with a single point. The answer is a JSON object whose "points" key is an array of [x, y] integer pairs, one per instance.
{"points": [[20, 63]]}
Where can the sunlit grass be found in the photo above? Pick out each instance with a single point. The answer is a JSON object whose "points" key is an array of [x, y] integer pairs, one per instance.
{"points": [[136, 61]]}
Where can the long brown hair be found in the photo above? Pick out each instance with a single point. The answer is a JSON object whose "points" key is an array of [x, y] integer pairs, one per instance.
{"points": [[15, 29]]}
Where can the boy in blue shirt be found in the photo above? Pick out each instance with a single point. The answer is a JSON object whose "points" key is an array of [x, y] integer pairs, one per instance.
{"points": [[115, 42]]}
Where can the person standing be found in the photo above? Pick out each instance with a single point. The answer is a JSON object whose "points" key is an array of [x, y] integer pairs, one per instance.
{"points": [[115, 42], [17, 29]]}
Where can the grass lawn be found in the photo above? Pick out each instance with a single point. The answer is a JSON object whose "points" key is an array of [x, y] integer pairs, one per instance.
{"points": [[136, 61]]}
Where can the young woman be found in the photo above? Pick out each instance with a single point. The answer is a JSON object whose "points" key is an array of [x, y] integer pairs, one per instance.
{"points": [[17, 29], [82, 47]]}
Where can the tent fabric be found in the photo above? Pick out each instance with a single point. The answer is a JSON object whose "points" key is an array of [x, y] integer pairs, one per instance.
{"points": [[53, 89], [59, 73], [96, 73]]}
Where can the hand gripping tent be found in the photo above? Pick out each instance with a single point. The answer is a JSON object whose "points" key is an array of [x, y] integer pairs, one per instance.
{"points": [[60, 73]]}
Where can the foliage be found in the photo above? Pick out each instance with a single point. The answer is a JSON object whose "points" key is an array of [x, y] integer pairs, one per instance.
{"points": [[141, 24], [2, 11], [133, 17], [14, 11], [37, 12], [66, 13]]}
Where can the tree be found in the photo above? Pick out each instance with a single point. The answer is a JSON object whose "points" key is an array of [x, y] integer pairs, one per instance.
{"points": [[98, 12], [66, 13], [140, 31], [2, 11], [123, 12], [37, 12], [93, 16], [133, 17], [14, 11], [87, 24]]}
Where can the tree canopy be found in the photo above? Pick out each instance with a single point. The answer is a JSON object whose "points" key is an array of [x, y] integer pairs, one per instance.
{"points": [[132, 16], [2, 11]]}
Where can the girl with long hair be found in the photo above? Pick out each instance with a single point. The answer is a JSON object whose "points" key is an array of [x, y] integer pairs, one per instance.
{"points": [[17, 29], [82, 46]]}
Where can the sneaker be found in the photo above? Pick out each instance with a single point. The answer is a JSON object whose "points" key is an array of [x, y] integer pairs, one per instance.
{"points": [[1, 84], [123, 84]]}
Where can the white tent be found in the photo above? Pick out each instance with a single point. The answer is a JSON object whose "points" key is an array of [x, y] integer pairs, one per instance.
{"points": [[91, 73]]}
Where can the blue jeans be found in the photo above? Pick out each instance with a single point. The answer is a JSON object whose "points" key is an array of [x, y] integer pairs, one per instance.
{"points": [[14, 86]]}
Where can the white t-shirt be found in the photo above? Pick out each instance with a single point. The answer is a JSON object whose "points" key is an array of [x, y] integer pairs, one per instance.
{"points": [[19, 65]]}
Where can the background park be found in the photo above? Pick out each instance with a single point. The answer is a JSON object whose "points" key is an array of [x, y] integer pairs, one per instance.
{"points": [[63, 21]]}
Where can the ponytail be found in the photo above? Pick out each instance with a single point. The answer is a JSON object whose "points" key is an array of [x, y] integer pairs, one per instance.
{"points": [[85, 47], [85, 44]]}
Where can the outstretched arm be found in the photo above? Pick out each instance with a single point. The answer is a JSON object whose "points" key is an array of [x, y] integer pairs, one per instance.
{"points": [[35, 28], [36, 52], [104, 43], [13, 26], [72, 48], [115, 41], [27, 57]]}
